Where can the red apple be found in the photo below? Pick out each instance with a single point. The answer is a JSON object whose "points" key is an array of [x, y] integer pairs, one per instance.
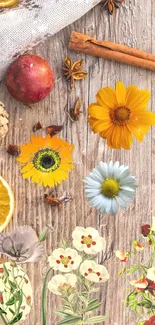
{"points": [[29, 79]]}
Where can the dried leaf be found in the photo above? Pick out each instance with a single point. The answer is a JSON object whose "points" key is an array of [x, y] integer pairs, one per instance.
{"points": [[74, 113], [13, 150], [38, 126], [111, 5], [54, 129]]}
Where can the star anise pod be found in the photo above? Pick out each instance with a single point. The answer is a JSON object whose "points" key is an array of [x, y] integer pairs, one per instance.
{"points": [[111, 5], [74, 71]]}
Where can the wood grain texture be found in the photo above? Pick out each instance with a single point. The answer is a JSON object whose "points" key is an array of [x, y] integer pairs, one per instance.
{"points": [[133, 25]]}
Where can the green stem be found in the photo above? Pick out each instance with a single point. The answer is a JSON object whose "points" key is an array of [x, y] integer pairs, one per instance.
{"points": [[3, 319], [44, 297]]}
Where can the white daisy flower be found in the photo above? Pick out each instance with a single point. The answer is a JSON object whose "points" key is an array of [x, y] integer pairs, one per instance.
{"points": [[151, 274], [94, 272], [62, 283], [88, 240], [65, 260], [109, 186]]}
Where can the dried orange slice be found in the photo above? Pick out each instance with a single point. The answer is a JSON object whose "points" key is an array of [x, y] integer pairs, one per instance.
{"points": [[8, 3], [6, 203]]}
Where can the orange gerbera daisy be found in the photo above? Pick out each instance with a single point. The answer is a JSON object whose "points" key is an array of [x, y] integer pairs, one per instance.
{"points": [[121, 113], [46, 160]]}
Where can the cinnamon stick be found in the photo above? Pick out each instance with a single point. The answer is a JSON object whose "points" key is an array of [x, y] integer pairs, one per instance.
{"points": [[111, 51]]}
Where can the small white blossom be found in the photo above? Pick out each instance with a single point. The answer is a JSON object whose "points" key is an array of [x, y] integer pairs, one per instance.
{"points": [[151, 274], [88, 240], [94, 272], [65, 260], [62, 283], [139, 284], [123, 256]]}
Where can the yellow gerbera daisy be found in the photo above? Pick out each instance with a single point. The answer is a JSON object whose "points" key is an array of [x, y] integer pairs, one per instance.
{"points": [[46, 160], [121, 113]]}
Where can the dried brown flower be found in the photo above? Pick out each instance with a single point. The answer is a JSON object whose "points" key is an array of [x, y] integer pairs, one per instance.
{"points": [[54, 129], [74, 113], [13, 150], [3, 121], [74, 71], [38, 126], [111, 5]]}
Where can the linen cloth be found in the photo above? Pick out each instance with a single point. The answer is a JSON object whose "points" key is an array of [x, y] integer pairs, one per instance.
{"points": [[32, 21]]}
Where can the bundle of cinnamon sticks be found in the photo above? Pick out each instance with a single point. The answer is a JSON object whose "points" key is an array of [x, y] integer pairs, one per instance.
{"points": [[111, 51]]}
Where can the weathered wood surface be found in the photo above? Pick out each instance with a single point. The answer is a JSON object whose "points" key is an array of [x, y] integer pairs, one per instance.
{"points": [[133, 25]]}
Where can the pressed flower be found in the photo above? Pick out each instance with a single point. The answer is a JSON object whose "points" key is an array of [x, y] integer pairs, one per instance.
{"points": [[62, 284], [145, 230], [123, 256], [65, 260], [22, 245], [94, 272], [120, 114], [140, 284], [151, 321], [138, 246], [109, 186], [46, 160], [88, 240], [15, 287], [151, 274]]}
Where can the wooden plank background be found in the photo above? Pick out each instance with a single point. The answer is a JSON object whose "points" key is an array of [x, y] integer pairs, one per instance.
{"points": [[133, 25]]}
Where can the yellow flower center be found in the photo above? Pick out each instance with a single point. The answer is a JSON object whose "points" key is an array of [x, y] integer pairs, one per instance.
{"points": [[120, 115], [87, 240], [65, 260], [110, 187], [65, 286]]}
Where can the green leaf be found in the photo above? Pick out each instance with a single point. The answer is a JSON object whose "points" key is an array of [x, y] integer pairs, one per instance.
{"points": [[11, 301], [43, 235], [11, 311], [93, 307], [84, 300], [12, 285], [95, 319], [145, 303], [5, 270], [70, 320], [2, 311], [16, 319], [122, 271], [92, 302], [62, 314]]}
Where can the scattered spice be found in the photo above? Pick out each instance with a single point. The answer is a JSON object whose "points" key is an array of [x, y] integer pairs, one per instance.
{"points": [[3, 121], [111, 5], [74, 113], [54, 129], [38, 126], [74, 71], [13, 150]]}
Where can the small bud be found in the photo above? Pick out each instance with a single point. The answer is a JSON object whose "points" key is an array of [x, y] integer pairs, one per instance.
{"points": [[43, 235]]}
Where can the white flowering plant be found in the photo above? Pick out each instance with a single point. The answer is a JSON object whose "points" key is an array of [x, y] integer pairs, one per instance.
{"points": [[79, 277]]}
